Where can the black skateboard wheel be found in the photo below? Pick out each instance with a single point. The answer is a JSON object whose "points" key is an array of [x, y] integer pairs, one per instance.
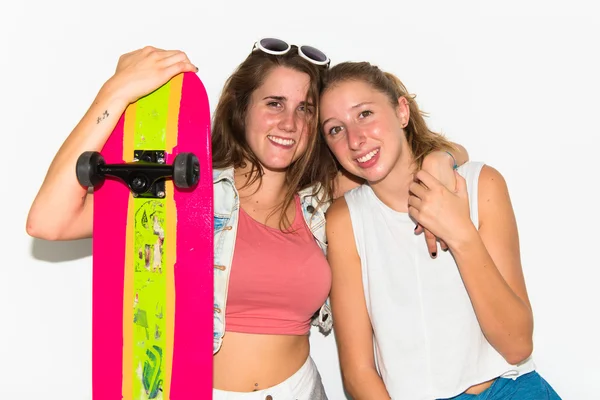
{"points": [[186, 170], [87, 170]]}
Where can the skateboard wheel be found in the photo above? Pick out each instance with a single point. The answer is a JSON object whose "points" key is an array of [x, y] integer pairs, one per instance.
{"points": [[186, 170], [87, 168]]}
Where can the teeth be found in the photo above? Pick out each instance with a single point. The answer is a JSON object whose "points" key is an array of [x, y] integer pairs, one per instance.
{"points": [[367, 157], [284, 142]]}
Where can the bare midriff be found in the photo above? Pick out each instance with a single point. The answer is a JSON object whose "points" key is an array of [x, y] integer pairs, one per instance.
{"points": [[249, 362], [476, 389]]}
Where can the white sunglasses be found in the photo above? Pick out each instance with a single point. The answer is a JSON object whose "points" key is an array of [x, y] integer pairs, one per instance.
{"points": [[278, 47]]}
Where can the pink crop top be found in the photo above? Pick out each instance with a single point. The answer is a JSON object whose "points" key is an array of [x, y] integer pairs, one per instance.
{"points": [[278, 280]]}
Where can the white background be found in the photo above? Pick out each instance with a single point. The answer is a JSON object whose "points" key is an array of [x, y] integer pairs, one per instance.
{"points": [[515, 82]]}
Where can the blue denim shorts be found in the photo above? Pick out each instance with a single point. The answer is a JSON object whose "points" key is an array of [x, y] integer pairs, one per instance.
{"points": [[530, 386]]}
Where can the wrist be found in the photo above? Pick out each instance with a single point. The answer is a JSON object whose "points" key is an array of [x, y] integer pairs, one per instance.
{"points": [[463, 239], [453, 164], [439, 159], [111, 93]]}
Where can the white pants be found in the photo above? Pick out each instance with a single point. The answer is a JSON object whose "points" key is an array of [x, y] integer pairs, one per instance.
{"points": [[305, 384]]}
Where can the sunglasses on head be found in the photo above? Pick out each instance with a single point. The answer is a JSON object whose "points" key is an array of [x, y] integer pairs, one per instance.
{"points": [[278, 47]]}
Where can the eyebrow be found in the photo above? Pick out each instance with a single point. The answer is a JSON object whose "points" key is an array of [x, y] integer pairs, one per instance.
{"points": [[364, 103], [325, 123], [279, 98], [284, 99]]}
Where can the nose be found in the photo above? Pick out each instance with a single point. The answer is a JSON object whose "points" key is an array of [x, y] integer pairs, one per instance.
{"points": [[356, 138], [288, 121]]}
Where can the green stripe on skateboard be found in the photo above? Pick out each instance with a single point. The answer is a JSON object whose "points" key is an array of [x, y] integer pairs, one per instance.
{"points": [[149, 341]]}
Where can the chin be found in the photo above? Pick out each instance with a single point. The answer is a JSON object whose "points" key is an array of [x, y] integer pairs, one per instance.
{"points": [[276, 166], [372, 175]]}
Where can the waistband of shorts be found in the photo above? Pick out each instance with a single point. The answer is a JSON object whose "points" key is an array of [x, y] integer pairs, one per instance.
{"points": [[303, 376]]}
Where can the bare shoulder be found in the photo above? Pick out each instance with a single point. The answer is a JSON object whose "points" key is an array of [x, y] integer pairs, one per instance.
{"points": [[494, 200], [492, 184], [341, 250], [339, 224], [338, 209]]}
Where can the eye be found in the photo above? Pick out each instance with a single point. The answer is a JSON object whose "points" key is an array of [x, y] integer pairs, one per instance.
{"points": [[365, 113], [307, 109], [335, 130], [274, 104]]}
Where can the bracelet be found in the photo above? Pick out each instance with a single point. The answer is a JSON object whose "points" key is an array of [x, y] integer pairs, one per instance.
{"points": [[455, 166]]}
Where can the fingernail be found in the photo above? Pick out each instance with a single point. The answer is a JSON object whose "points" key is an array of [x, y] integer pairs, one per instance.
{"points": [[433, 254]]}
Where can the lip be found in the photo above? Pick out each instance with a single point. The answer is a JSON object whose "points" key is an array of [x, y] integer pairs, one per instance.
{"points": [[372, 161], [273, 138]]}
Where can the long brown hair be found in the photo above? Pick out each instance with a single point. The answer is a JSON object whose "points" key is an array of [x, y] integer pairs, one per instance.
{"points": [[229, 145], [420, 138]]}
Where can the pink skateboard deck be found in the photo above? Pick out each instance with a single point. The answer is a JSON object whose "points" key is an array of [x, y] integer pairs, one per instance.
{"points": [[153, 248]]}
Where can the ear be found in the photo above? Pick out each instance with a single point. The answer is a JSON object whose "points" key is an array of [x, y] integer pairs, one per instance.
{"points": [[403, 111]]}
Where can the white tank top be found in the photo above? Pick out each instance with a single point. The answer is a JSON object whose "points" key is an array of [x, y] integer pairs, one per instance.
{"points": [[428, 343]]}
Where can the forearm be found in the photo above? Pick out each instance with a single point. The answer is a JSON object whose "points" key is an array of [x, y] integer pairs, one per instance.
{"points": [[344, 182], [60, 199], [365, 385], [505, 318]]}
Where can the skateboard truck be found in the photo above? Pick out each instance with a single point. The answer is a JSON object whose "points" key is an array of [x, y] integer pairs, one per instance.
{"points": [[145, 177]]}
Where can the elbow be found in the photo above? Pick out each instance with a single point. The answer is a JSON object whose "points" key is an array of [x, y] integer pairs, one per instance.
{"points": [[36, 232], [39, 230], [517, 358], [465, 152], [354, 380], [350, 386], [517, 345], [520, 353]]}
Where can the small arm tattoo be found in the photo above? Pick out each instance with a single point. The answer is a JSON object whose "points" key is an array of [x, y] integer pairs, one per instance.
{"points": [[104, 115]]}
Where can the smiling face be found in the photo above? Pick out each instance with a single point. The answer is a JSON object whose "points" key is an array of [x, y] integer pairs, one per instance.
{"points": [[363, 129], [277, 119]]}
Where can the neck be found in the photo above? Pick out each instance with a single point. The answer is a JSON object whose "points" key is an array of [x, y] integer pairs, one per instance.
{"points": [[393, 190], [268, 192]]}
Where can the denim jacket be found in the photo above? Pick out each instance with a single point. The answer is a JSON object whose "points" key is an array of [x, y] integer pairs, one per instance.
{"points": [[226, 209]]}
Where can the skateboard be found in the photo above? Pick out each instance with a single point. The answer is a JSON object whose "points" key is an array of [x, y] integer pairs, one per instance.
{"points": [[152, 301]]}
